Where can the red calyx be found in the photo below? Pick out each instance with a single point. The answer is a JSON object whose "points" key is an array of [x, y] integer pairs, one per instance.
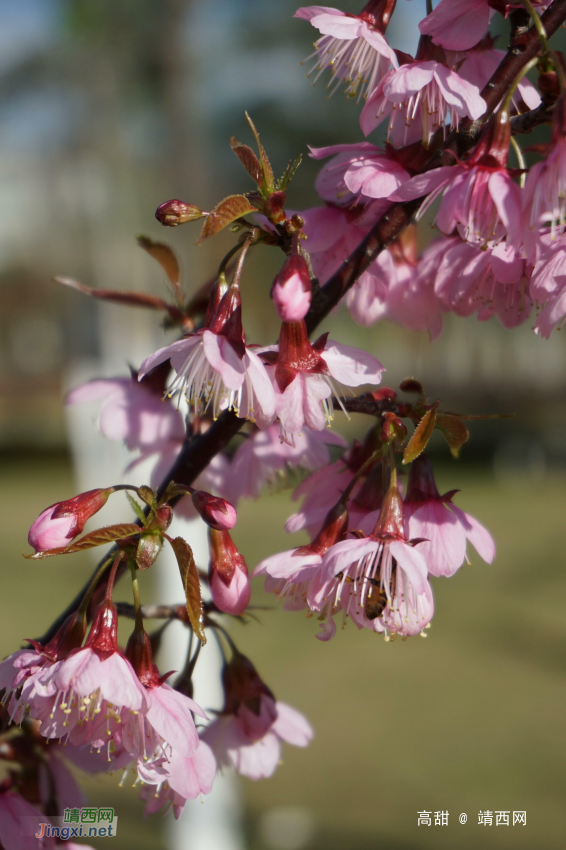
{"points": [[69, 636], [377, 13], [333, 530], [103, 635], [81, 508], [391, 522], [243, 685], [138, 653], [218, 291], [370, 495], [228, 320], [224, 557], [492, 150], [296, 354]]}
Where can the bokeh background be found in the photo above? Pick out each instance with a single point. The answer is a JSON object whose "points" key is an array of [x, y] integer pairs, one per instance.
{"points": [[107, 109]]}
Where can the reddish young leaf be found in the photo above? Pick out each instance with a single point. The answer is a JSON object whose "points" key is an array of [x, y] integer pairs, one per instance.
{"points": [[191, 584], [109, 534], [268, 178], [453, 430], [166, 259], [128, 299], [226, 212], [421, 436], [248, 159]]}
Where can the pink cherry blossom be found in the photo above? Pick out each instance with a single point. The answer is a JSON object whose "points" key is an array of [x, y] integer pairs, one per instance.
{"points": [[443, 527], [352, 47], [480, 199], [493, 280], [19, 823], [544, 196], [49, 532], [263, 460], [132, 412], [419, 97], [187, 778], [305, 374], [356, 173], [257, 757], [552, 314]]}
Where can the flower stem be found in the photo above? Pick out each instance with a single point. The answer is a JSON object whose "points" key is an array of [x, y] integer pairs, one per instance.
{"points": [[506, 104], [137, 601], [538, 24]]}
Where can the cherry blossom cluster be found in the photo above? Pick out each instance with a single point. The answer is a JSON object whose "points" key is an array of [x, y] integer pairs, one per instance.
{"points": [[222, 418]]}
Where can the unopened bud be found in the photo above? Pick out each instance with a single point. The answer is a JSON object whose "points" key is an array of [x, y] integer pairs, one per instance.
{"points": [[61, 522], [172, 213], [148, 549], [228, 574], [216, 512], [291, 290]]}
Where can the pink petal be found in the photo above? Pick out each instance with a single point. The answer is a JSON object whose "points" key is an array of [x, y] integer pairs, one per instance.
{"points": [[309, 12], [506, 196], [375, 178], [477, 534], [411, 562], [332, 150], [289, 406], [444, 547], [352, 366], [291, 726], [221, 355], [95, 390], [457, 24], [262, 386], [285, 564], [338, 26], [425, 183], [459, 93], [170, 715], [316, 390], [507, 263], [379, 43], [177, 352], [408, 80]]}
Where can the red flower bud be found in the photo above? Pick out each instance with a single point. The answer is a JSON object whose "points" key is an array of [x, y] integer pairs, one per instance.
{"points": [[291, 290], [216, 512], [172, 213], [61, 522], [228, 574]]}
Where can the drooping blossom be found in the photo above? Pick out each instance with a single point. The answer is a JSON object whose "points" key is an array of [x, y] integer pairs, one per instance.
{"points": [[488, 280], [544, 195], [228, 574], [418, 98], [248, 731], [548, 286], [357, 172], [353, 47], [215, 367], [443, 527], [304, 376], [379, 581], [288, 574], [187, 778], [59, 524], [262, 460], [479, 197]]}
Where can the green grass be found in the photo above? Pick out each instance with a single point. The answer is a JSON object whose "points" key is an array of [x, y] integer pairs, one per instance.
{"points": [[470, 718]]}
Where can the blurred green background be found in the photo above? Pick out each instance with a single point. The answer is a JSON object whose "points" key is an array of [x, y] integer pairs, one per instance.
{"points": [[107, 109]]}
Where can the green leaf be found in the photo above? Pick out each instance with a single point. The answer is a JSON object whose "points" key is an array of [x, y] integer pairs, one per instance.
{"points": [[227, 211], [147, 495], [289, 173], [109, 534], [191, 584], [137, 508], [421, 436], [268, 178]]}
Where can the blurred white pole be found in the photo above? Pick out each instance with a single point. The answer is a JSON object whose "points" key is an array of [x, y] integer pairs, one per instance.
{"points": [[215, 822]]}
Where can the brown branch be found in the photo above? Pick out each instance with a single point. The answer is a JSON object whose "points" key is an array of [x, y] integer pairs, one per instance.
{"points": [[197, 452], [529, 120]]}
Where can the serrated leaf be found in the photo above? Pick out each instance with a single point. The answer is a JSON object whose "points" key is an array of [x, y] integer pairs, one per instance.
{"points": [[227, 211], [109, 534], [421, 436], [191, 585], [453, 430], [268, 178], [248, 159], [289, 173], [136, 507]]}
